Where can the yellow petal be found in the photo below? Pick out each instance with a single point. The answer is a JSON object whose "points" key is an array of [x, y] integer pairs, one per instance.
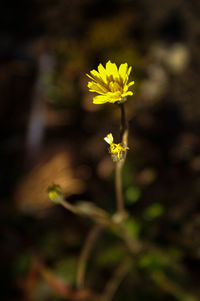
{"points": [[90, 76], [102, 72], [100, 99], [111, 70], [114, 96], [129, 70], [131, 83], [96, 76], [114, 87], [108, 65], [109, 138], [127, 93], [95, 87], [123, 70]]}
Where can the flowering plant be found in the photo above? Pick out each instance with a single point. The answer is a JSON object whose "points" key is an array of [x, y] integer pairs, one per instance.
{"points": [[112, 84]]}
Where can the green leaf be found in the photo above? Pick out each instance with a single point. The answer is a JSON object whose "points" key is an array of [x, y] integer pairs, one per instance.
{"points": [[66, 269], [153, 211], [22, 264], [110, 256], [152, 262], [133, 227], [132, 194]]}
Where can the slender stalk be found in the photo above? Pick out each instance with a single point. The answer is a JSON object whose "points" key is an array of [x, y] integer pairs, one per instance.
{"points": [[119, 164], [113, 284], [123, 126], [69, 207], [104, 221], [85, 253], [118, 187]]}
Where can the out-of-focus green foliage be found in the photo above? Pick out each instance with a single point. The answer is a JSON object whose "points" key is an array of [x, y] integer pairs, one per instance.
{"points": [[21, 264], [153, 211], [132, 194], [110, 256], [133, 227], [66, 269]]}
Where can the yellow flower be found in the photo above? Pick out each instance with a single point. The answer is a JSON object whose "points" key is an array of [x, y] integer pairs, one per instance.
{"points": [[110, 82], [117, 150]]}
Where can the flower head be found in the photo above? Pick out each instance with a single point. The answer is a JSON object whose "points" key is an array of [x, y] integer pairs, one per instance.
{"points": [[110, 82], [117, 151]]}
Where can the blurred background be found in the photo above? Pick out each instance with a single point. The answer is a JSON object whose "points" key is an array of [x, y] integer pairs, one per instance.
{"points": [[52, 133]]}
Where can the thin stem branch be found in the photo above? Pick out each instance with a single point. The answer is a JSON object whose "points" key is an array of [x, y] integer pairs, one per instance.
{"points": [[103, 220], [113, 284], [123, 126], [85, 253], [70, 207], [118, 187], [95, 213], [120, 163]]}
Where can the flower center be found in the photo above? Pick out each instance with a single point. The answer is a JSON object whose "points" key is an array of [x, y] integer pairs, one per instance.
{"points": [[114, 87]]}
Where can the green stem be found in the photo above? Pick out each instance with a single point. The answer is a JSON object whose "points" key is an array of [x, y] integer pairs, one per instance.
{"points": [[119, 164], [118, 276], [118, 187], [105, 221], [123, 126], [85, 253]]}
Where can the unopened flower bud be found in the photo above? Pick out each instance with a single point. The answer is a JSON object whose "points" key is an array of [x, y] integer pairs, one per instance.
{"points": [[55, 193]]}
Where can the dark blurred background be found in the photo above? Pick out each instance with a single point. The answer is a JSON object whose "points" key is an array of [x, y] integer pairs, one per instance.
{"points": [[52, 133]]}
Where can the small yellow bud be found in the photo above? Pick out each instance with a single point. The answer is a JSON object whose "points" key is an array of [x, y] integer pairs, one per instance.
{"points": [[55, 193], [109, 138]]}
